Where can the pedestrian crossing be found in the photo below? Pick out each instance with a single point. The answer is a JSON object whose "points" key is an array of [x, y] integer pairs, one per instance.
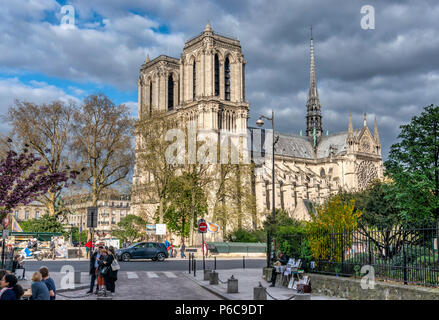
{"points": [[147, 274]]}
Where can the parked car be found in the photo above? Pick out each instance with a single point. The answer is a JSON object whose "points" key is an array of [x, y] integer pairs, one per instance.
{"points": [[143, 250]]}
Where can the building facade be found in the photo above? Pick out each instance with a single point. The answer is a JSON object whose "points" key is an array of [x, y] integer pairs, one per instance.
{"points": [[111, 209], [33, 210], [206, 85]]}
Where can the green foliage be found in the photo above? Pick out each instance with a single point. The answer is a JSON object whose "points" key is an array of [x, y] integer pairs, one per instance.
{"points": [[412, 254], [413, 165], [130, 228], [186, 200], [290, 235], [243, 235], [79, 237], [289, 239], [46, 223], [378, 203]]}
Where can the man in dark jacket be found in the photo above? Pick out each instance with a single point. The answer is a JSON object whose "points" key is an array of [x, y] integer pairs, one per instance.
{"points": [[93, 268], [282, 259]]}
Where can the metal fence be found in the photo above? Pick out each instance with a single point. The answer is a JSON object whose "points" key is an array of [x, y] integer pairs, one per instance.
{"points": [[408, 255]]}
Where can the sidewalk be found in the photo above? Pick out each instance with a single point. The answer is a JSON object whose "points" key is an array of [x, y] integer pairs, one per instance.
{"points": [[248, 279], [61, 284]]}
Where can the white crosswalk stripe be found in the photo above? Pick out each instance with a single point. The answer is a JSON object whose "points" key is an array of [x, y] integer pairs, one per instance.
{"points": [[169, 274], [132, 275], [152, 275]]}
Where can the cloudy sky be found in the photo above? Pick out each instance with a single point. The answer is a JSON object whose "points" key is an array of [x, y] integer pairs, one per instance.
{"points": [[390, 72]]}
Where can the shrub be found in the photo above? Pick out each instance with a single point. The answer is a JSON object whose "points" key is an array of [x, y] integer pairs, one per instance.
{"points": [[243, 235], [412, 253]]}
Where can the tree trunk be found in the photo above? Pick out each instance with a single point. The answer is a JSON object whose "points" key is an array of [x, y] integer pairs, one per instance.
{"points": [[191, 232], [238, 195]]}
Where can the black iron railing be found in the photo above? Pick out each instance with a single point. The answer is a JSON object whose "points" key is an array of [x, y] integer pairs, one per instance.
{"points": [[408, 255]]}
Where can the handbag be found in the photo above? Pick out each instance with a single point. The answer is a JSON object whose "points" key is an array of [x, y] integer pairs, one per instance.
{"points": [[104, 270], [115, 265]]}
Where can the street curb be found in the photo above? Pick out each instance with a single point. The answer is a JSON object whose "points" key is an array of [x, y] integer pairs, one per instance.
{"points": [[209, 288], [80, 287]]}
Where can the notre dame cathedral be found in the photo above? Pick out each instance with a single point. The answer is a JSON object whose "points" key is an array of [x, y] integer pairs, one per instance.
{"points": [[207, 85]]}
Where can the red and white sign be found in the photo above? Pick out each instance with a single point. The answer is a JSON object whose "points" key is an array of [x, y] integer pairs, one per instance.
{"points": [[202, 227]]}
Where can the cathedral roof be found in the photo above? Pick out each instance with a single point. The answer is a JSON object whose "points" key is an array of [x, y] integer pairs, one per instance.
{"points": [[294, 146], [336, 141], [297, 146]]}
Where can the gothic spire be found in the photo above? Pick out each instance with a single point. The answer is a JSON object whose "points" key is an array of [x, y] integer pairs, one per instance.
{"points": [[208, 26], [312, 74], [375, 132], [350, 126], [314, 113]]}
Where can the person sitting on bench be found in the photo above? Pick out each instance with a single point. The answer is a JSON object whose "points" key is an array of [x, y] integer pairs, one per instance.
{"points": [[282, 259]]}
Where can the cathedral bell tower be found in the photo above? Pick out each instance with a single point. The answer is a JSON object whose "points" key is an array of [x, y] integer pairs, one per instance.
{"points": [[206, 85]]}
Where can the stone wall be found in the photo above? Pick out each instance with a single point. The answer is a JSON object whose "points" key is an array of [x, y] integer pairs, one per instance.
{"points": [[351, 288]]}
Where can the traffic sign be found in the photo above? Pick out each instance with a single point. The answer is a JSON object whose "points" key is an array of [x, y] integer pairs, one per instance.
{"points": [[202, 227]]}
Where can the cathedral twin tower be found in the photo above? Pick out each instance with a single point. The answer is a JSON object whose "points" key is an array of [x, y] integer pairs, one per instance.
{"points": [[206, 85]]}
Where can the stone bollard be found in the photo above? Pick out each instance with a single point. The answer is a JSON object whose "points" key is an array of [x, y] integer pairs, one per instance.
{"points": [[77, 279], [259, 293], [207, 274], [232, 285], [213, 277]]}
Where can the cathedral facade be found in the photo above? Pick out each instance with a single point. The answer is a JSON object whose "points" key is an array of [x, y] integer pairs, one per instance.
{"points": [[206, 85]]}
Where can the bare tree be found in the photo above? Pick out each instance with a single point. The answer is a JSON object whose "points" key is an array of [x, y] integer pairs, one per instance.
{"points": [[102, 143], [45, 129]]}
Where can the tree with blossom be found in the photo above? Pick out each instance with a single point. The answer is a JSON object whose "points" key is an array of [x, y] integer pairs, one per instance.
{"points": [[23, 179]]}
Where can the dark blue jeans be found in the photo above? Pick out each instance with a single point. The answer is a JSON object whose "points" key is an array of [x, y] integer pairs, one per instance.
{"points": [[92, 281]]}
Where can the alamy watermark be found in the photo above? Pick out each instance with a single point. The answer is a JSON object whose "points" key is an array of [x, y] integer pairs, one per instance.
{"points": [[368, 280], [68, 19], [67, 277], [368, 20], [205, 146]]}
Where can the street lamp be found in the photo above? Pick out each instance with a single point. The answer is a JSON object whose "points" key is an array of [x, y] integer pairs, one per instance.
{"points": [[260, 123]]}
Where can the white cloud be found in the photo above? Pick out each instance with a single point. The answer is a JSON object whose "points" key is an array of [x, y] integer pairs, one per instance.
{"points": [[37, 92]]}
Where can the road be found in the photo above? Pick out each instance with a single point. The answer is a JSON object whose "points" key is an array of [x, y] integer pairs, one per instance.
{"points": [[148, 265], [148, 285]]}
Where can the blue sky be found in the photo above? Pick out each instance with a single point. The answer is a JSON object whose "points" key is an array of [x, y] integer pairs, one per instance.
{"points": [[390, 72]]}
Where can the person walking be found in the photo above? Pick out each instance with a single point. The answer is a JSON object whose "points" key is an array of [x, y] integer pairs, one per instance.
{"points": [[10, 290], [48, 281], [111, 277], [39, 288], [18, 264], [88, 248], [182, 250], [167, 244], [94, 263], [53, 249]]}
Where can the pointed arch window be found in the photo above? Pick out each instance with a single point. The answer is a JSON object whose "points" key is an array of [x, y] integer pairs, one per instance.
{"points": [[217, 85], [227, 79], [267, 195], [194, 80], [170, 92], [282, 204], [150, 97]]}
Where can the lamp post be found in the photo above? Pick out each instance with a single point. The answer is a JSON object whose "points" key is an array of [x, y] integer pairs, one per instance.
{"points": [[260, 123]]}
